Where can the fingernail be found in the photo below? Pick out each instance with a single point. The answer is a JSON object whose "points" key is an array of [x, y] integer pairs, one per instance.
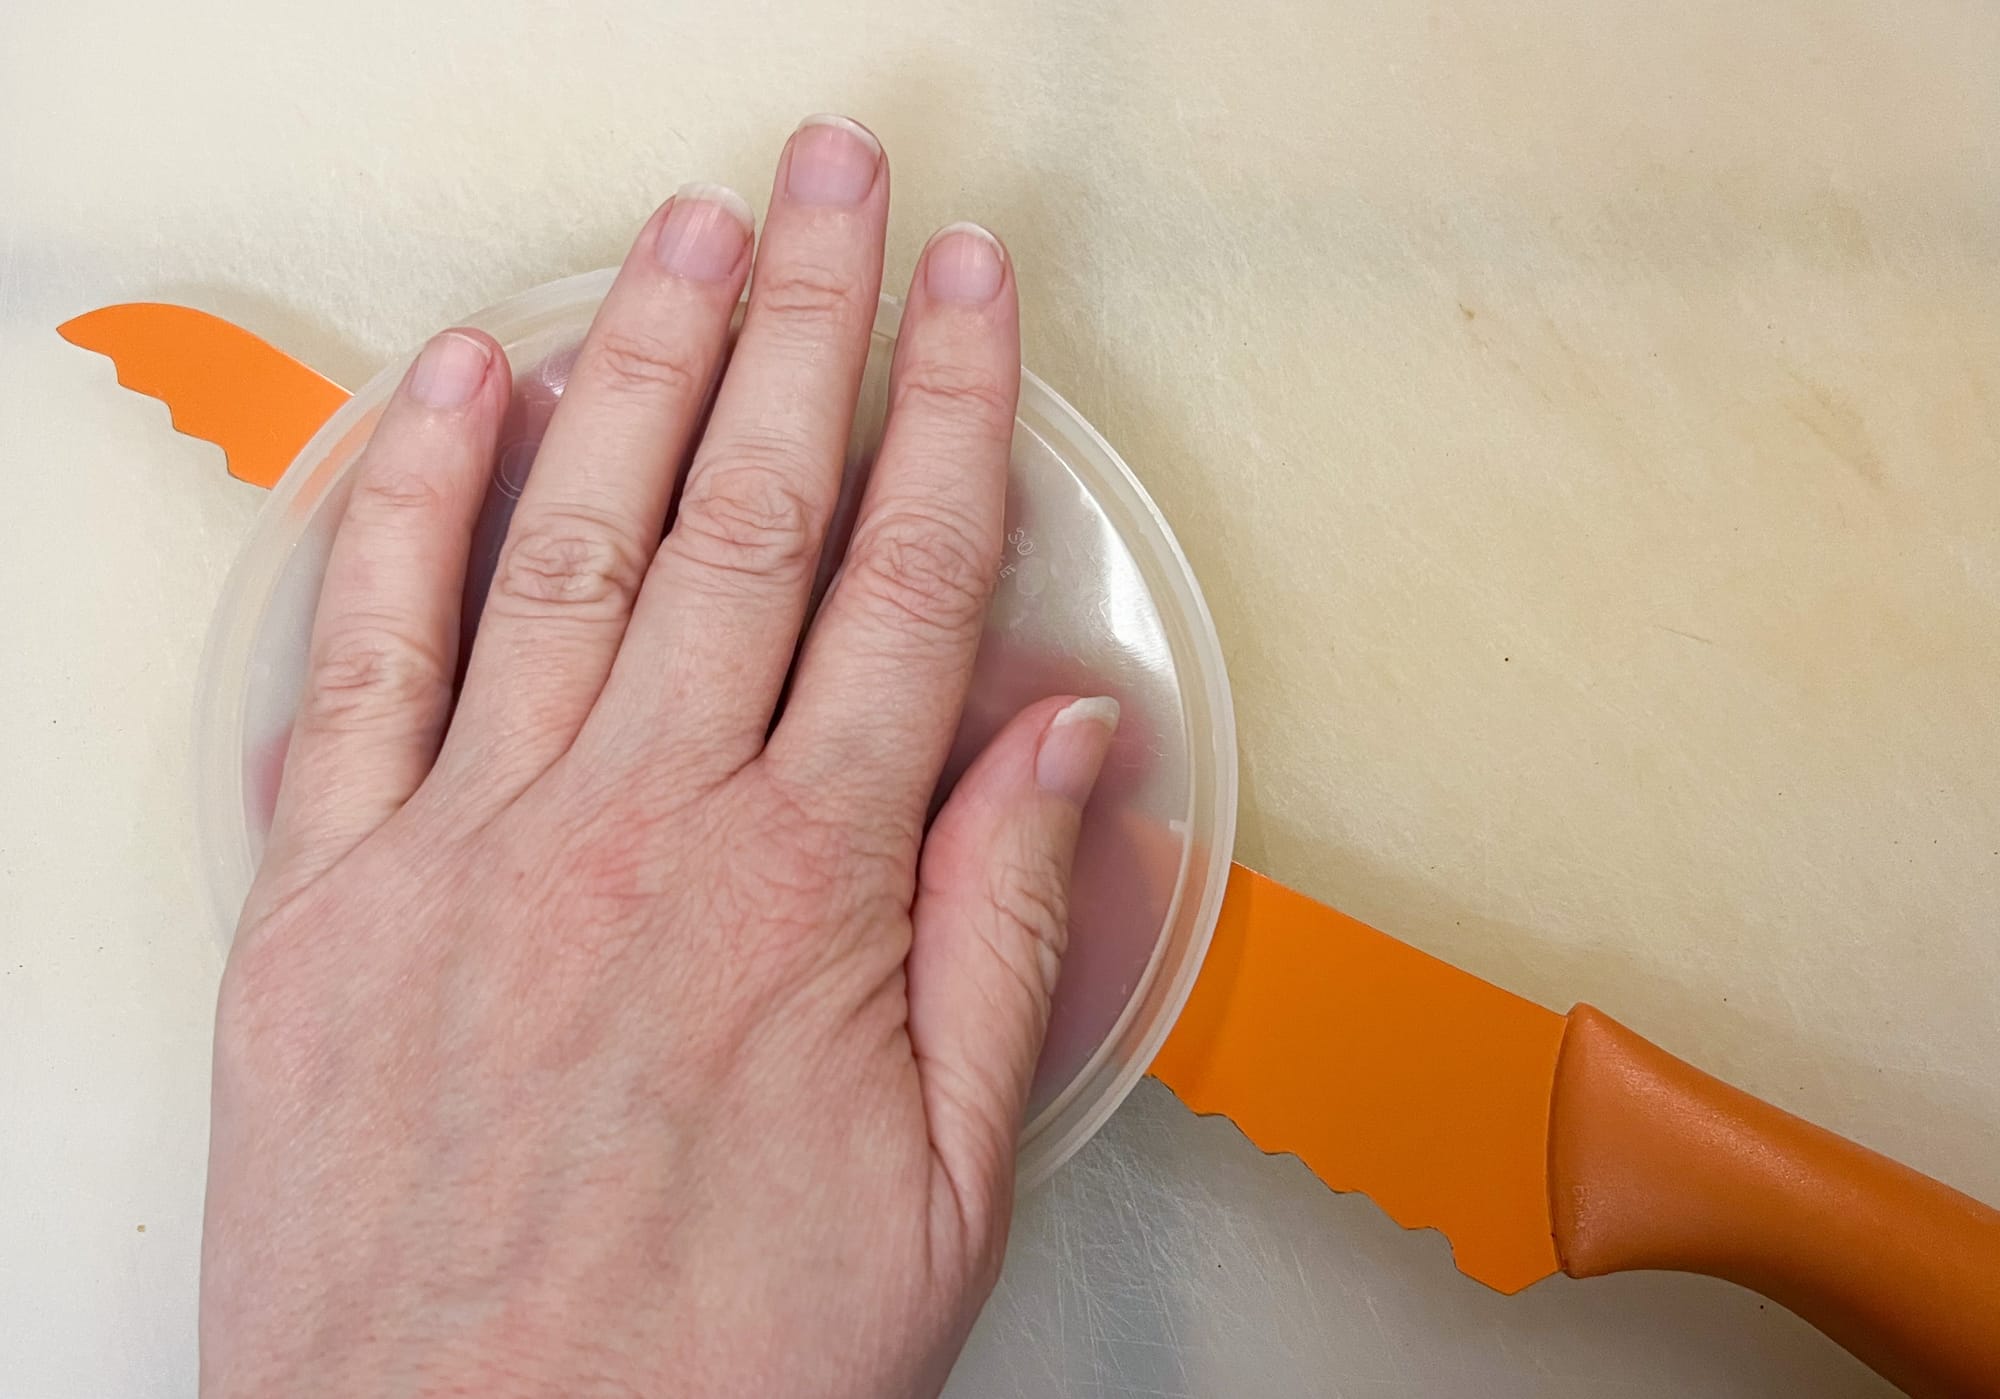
{"points": [[450, 370], [1073, 747], [833, 161], [703, 236], [964, 263]]}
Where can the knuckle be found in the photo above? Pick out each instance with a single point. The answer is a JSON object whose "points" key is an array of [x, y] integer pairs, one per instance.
{"points": [[1027, 892], [568, 562], [813, 298], [386, 491], [749, 516], [367, 671], [965, 398], [633, 362], [1027, 930], [924, 569]]}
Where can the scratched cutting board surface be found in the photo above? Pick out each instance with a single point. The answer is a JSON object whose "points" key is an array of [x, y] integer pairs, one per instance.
{"points": [[1585, 419]]}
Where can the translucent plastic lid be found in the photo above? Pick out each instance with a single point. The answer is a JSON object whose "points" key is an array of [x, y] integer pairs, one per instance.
{"points": [[1094, 597]]}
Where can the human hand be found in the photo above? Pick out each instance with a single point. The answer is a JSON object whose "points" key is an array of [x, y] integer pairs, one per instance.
{"points": [[589, 1033]]}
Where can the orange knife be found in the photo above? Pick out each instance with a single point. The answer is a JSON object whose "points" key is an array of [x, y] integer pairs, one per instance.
{"points": [[1538, 1142], [1535, 1142]]}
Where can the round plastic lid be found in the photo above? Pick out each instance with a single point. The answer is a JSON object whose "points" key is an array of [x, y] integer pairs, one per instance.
{"points": [[1094, 597]]}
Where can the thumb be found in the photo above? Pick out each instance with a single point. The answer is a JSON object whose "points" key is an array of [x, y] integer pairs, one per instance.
{"points": [[991, 923]]}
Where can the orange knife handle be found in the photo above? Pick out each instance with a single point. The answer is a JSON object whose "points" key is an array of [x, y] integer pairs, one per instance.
{"points": [[1654, 1164]]}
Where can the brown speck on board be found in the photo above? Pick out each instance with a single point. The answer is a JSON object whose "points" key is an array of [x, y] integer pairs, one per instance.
{"points": [[142, 1228]]}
